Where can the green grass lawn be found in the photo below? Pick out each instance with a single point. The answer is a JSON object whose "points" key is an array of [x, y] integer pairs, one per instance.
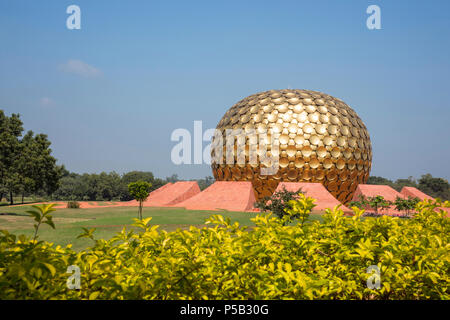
{"points": [[108, 221]]}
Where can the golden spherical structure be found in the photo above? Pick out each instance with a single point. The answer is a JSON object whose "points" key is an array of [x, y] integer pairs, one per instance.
{"points": [[314, 137]]}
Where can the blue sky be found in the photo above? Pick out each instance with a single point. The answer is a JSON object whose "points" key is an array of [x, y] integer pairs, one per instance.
{"points": [[110, 95]]}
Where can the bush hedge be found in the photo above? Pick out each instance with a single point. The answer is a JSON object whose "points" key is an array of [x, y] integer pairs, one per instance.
{"points": [[316, 260]]}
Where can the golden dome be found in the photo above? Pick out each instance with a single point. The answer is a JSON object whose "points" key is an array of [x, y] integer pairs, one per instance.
{"points": [[314, 136]]}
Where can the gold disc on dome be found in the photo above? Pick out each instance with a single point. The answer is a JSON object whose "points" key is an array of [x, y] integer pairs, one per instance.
{"points": [[340, 164], [292, 174], [306, 151], [332, 129], [272, 117], [320, 174], [335, 152], [284, 139], [321, 152], [308, 128], [306, 175], [321, 129], [314, 140], [328, 141], [299, 140], [284, 162], [299, 163], [291, 151], [327, 164], [298, 108], [314, 163]]}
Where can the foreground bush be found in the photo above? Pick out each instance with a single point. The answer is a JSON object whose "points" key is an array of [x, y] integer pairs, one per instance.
{"points": [[327, 260], [278, 203]]}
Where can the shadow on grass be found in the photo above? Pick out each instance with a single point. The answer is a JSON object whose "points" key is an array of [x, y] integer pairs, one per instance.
{"points": [[7, 204], [14, 214]]}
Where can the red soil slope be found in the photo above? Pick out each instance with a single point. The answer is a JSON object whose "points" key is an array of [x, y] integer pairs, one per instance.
{"points": [[324, 199], [414, 192], [372, 190], [228, 195], [172, 194]]}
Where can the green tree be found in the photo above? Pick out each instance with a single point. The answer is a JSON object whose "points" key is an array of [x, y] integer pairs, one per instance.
{"points": [[361, 204], [279, 202], [406, 204], [37, 166], [26, 163], [434, 187], [103, 186], [378, 202], [379, 181], [205, 183], [400, 183], [139, 190], [10, 131], [134, 176], [172, 178]]}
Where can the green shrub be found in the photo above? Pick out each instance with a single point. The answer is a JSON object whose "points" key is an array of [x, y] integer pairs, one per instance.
{"points": [[319, 260], [406, 205], [362, 203], [278, 203], [73, 205]]}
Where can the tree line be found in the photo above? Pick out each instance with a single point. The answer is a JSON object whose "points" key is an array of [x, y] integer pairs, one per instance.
{"points": [[110, 186], [432, 186], [26, 163]]}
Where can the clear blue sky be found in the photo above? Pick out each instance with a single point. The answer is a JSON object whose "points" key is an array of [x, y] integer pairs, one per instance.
{"points": [[109, 95]]}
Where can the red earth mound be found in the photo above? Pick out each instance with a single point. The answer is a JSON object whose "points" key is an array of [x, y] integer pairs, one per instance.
{"points": [[324, 199], [414, 192], [228, 195], [171, 194], [373, 190]]}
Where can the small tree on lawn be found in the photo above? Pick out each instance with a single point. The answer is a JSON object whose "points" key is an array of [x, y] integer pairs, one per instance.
{"points": [[412, 202], [361, 203], [378, 202], [406, 204], [139, 191], [400, 204]]}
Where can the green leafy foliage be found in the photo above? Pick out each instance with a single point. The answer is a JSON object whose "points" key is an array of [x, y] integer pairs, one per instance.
{"points": [[205, 183], [316, 260], [299, 209], [103, 186], [361, 203], [378, 202], [26, 163], [278, 203], [432, 186], [139, 190], [406, 205], [41, 214]]}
